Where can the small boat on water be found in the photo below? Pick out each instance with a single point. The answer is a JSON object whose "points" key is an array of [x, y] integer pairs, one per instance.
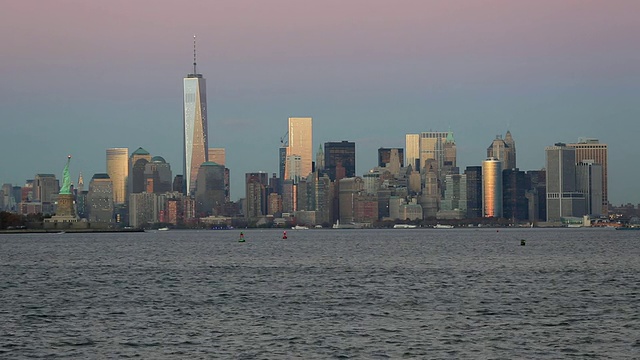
{"points": [[441, 226], [404, 226], [299, 227], [163, 229]]}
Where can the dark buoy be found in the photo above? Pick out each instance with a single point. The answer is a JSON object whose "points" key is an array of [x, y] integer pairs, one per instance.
{"points": [[241, 237], [284, 235], [523, 242]]}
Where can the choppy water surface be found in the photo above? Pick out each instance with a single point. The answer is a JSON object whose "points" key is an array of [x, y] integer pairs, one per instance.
{"points": [[419, 293]]}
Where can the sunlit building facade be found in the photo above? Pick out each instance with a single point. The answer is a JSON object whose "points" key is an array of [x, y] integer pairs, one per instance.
{"points": [[412, 148], [300, 142], [492, 188], [118, 171]]}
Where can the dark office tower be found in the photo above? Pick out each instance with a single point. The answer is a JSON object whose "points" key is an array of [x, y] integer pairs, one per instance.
{"points": [[157, 175], [537, 195], [196, 145], [563, 199], [137, 162], [514, 201], [177, 183], [384, 156], [338, 157], [210, 196], [589, 183], [501, 150], [256, 194], [100, 199], [274, 184], [474, 191], [282, 163], [302, 195]]}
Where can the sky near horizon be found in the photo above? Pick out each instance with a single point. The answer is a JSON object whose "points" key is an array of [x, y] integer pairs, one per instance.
{"points": [[78, 77]]}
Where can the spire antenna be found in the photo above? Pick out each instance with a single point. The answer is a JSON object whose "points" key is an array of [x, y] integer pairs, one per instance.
{"points": [[194, 55]]}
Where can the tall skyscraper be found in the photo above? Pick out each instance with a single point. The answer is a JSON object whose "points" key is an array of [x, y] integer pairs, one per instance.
{"points": [[492, 188], [592, 149], [301, 143], [563, 199], [340, 159], [210, 195], [412, 147], [44, 187], [438, 146], [385, 156], [100, 199], [256, 194], [137, 163], [196, 145], [503, 150], [589, 182], [474, 191], [514, 201], [118, 171], [157, 175], [217, 155]]}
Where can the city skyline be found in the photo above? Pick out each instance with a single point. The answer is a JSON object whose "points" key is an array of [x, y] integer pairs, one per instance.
{"points": [[371, 75]]}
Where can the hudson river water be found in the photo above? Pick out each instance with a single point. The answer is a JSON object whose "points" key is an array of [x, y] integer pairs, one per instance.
{"points": [[322, 294]]}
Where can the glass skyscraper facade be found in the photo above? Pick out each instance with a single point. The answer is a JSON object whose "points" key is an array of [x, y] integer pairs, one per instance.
{"points": [[196, 146], [300, 143], [118, 171]]}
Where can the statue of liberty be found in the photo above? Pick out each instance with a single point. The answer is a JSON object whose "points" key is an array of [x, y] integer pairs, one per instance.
{"points": [[66, 179]]}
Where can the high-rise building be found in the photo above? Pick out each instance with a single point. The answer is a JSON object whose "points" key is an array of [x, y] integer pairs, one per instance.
{"points": [[537, 195], [196, 145], [455, 195], [589, 182], [300, 142], [592, 149], [474, 191], [503, 150], [511, 158], [340, 159], [450, 156], [492, 188], [412, 147], [217, 155], [100, 199], [256, 194], [563, 199], [118, 171], [137, 163], [514, 201], [210, 189], [432, 147], [157, 175], [349, 190], [320, 159], [45, 186], [385, 156]]}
